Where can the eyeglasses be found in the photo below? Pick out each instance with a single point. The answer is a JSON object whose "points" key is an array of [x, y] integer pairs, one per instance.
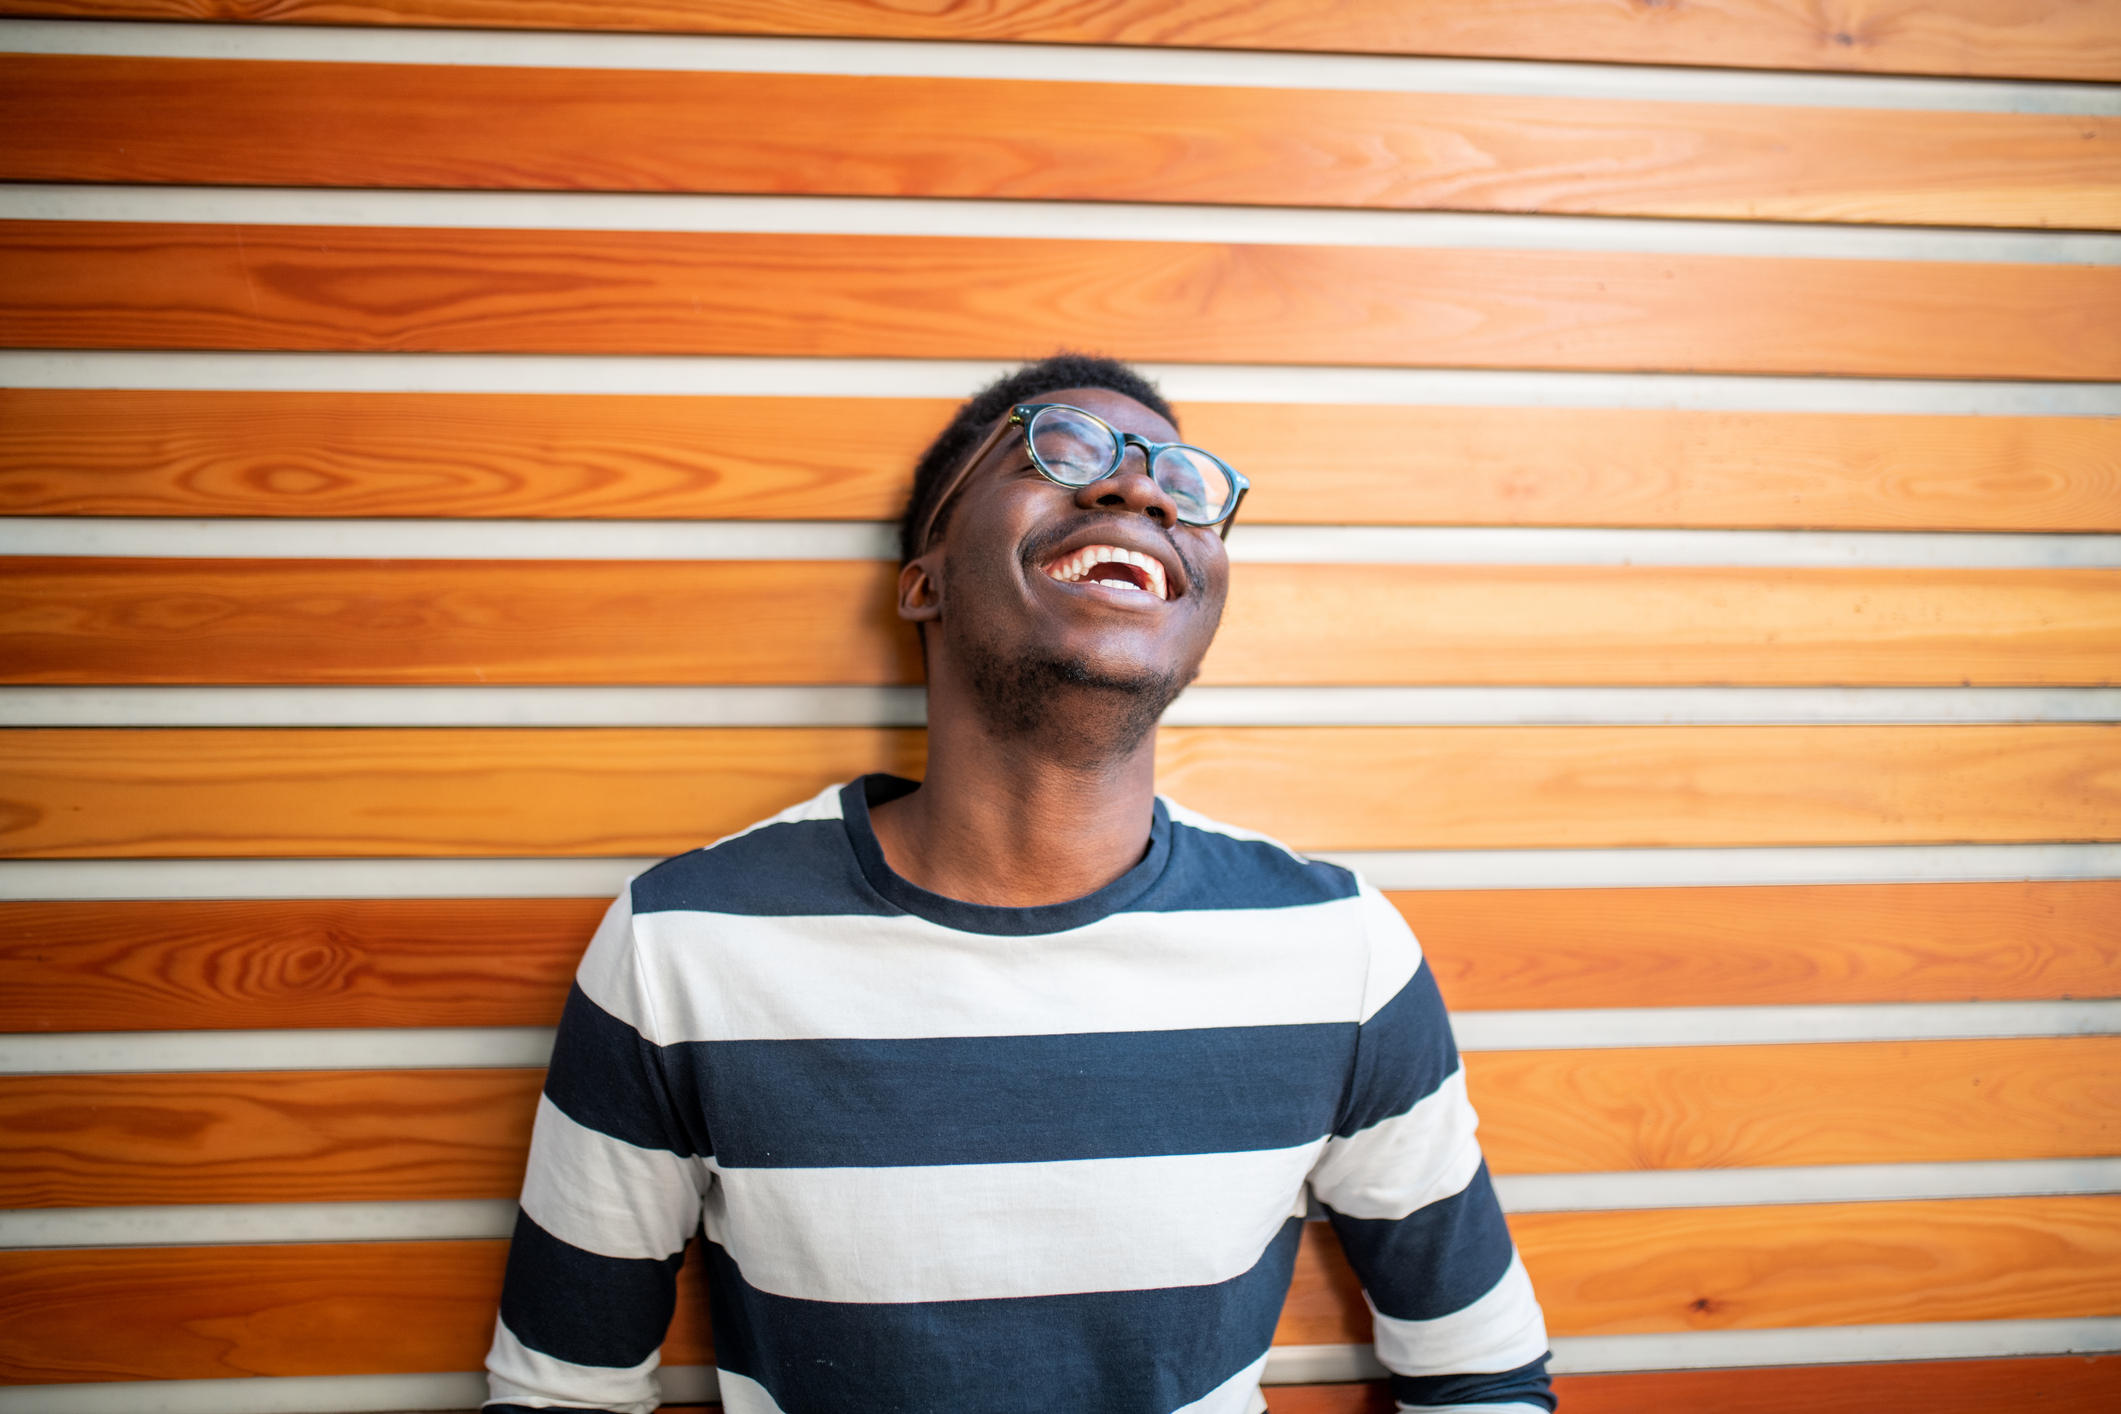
{"points": [[1070, 447]]}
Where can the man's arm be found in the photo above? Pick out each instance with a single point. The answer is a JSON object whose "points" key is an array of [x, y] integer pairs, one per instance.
{"points": [[1404, 1184], [612, 1195]]}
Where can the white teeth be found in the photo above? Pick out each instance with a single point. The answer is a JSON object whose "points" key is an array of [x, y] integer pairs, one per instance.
{"points": [[1076, 567]]}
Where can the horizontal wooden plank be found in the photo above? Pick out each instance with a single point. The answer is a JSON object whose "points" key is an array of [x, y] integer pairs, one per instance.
{"points": [[128, 452], [237, 793], [204, 965], [254, 963], [2056, 39], [1519, 949], [339, 1136], [376, 1307], [193, 121], [1692, 1107], [94, 284], [265, 1137], [114, 620], [2069, 1384]]}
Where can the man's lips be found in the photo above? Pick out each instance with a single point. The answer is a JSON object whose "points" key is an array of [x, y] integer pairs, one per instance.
{"points": [[1128, 571]]}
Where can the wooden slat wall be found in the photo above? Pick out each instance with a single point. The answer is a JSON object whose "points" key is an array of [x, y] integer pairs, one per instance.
{"points": [[168, 380]]}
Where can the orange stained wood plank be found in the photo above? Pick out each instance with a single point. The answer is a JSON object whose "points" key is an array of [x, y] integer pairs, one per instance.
{"points": [[335, 1136], [108, 285], [194, 121], [274, 963], [217, 793], [204, 965], [2068, 1384], [1697, 1107], [131, 452], [2061, 39], [84, 1141], [1823, 1264], [113, 620], [353, 1308], [1525, 949]]}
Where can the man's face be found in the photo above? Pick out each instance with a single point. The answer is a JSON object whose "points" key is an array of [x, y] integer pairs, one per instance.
{"points": [[1047, 587]]}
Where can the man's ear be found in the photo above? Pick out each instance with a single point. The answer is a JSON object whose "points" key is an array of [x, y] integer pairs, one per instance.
{"points": [[920, 593]]}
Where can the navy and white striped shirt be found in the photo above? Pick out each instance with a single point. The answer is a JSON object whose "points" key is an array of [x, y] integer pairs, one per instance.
{"points": [[950, 1157]]}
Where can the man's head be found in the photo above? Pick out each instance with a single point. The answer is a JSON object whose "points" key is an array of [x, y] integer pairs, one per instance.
{"points": [[1072, 614]]}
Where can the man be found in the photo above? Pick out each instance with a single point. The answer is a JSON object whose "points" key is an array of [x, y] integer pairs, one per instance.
{"points": [[1009, 1091]]}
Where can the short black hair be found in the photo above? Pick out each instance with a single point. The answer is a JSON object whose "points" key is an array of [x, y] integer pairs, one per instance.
{"points": [[1048, 375]]}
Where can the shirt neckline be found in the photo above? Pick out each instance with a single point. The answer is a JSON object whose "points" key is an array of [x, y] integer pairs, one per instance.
{"points": [[858, 795]]}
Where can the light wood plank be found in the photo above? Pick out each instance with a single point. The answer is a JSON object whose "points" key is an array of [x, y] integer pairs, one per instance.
{"points": [[218, 793], [131, 452], [109, 620], [1519, 949], [107, 284], [215, 964], [325, 1136], [343, 1136], [1695, 1107], [2057, 39], [112, 119], [257, 963]]}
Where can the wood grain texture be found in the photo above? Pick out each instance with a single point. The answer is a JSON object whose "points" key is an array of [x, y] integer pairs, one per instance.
{"points": [[374, 1307], [2059, 39], [237, 793], [86, 1141], [1697, 1107], [276, 963], [134, 452], [193, 121], [1823, 1264], [113, 620], [344, 1136], [2071, 1384], [1527, 949], [222, 964], [109, 285]]}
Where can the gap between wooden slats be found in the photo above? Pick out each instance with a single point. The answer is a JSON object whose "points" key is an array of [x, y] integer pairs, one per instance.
{"points": [[202, 1313], [367, 1136], [2029, 38], [148, 453], [239, 793], [106, 285], [274, 964], [107, 620], [104, 119]]}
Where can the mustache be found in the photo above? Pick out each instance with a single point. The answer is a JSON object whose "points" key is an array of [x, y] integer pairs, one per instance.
{"points": [[1039, 545]]}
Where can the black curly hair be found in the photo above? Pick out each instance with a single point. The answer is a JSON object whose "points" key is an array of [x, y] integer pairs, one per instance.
{"points": [[1048, 375]]}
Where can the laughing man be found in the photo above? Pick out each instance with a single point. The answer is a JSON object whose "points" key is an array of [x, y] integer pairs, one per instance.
{"points": [[1009, 1090]]}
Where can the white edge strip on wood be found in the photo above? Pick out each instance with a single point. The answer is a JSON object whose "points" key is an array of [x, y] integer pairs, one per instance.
{"points": [[57, 879], [907, 706], [217, 1224], [709, 376], [444, 1048], [1613, 1027], [1050, 63], [301, 539], [1286, 1365], [1007, 219], [1709, 868]]}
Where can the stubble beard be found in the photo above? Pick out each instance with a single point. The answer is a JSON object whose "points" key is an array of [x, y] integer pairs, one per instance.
{"points": [[1065, 703]]}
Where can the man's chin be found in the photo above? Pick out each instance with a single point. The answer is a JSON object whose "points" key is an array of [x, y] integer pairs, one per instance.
{"points": [[1059, 697]]}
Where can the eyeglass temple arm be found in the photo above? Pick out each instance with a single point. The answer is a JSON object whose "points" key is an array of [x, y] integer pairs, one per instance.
{"points": [[957, 479]]}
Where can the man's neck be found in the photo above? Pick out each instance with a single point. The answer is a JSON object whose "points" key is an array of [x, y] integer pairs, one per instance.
{"points": [[1019, 821]]}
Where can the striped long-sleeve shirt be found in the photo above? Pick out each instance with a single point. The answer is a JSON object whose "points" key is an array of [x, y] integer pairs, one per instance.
{"points": [[951, 1157]]}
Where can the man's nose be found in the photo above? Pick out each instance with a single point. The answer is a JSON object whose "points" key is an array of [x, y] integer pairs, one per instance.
{"points": [[1130, 488]]}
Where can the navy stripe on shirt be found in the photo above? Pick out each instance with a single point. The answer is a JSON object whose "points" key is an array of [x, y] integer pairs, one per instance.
{"points": [[615, 1309], [1436, 1260], [1404, 1053], [1527, 1384]]}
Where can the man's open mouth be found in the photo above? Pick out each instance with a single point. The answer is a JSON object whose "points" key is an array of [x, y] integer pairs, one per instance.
{"points": [[1112, 567]]}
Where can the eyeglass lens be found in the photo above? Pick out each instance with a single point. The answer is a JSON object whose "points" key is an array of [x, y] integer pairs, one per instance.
{"points": [[1075, 449]]}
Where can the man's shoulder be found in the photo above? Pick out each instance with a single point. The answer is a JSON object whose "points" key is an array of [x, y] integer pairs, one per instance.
{"points": [[1218, 865], [792, 863]]}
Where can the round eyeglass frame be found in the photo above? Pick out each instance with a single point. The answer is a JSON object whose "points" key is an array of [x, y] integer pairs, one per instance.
{"points": [[1023, 414]]}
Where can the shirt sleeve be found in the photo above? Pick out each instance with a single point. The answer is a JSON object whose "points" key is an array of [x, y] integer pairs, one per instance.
{"points": [[1404, 1185], [612, 1195]]}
